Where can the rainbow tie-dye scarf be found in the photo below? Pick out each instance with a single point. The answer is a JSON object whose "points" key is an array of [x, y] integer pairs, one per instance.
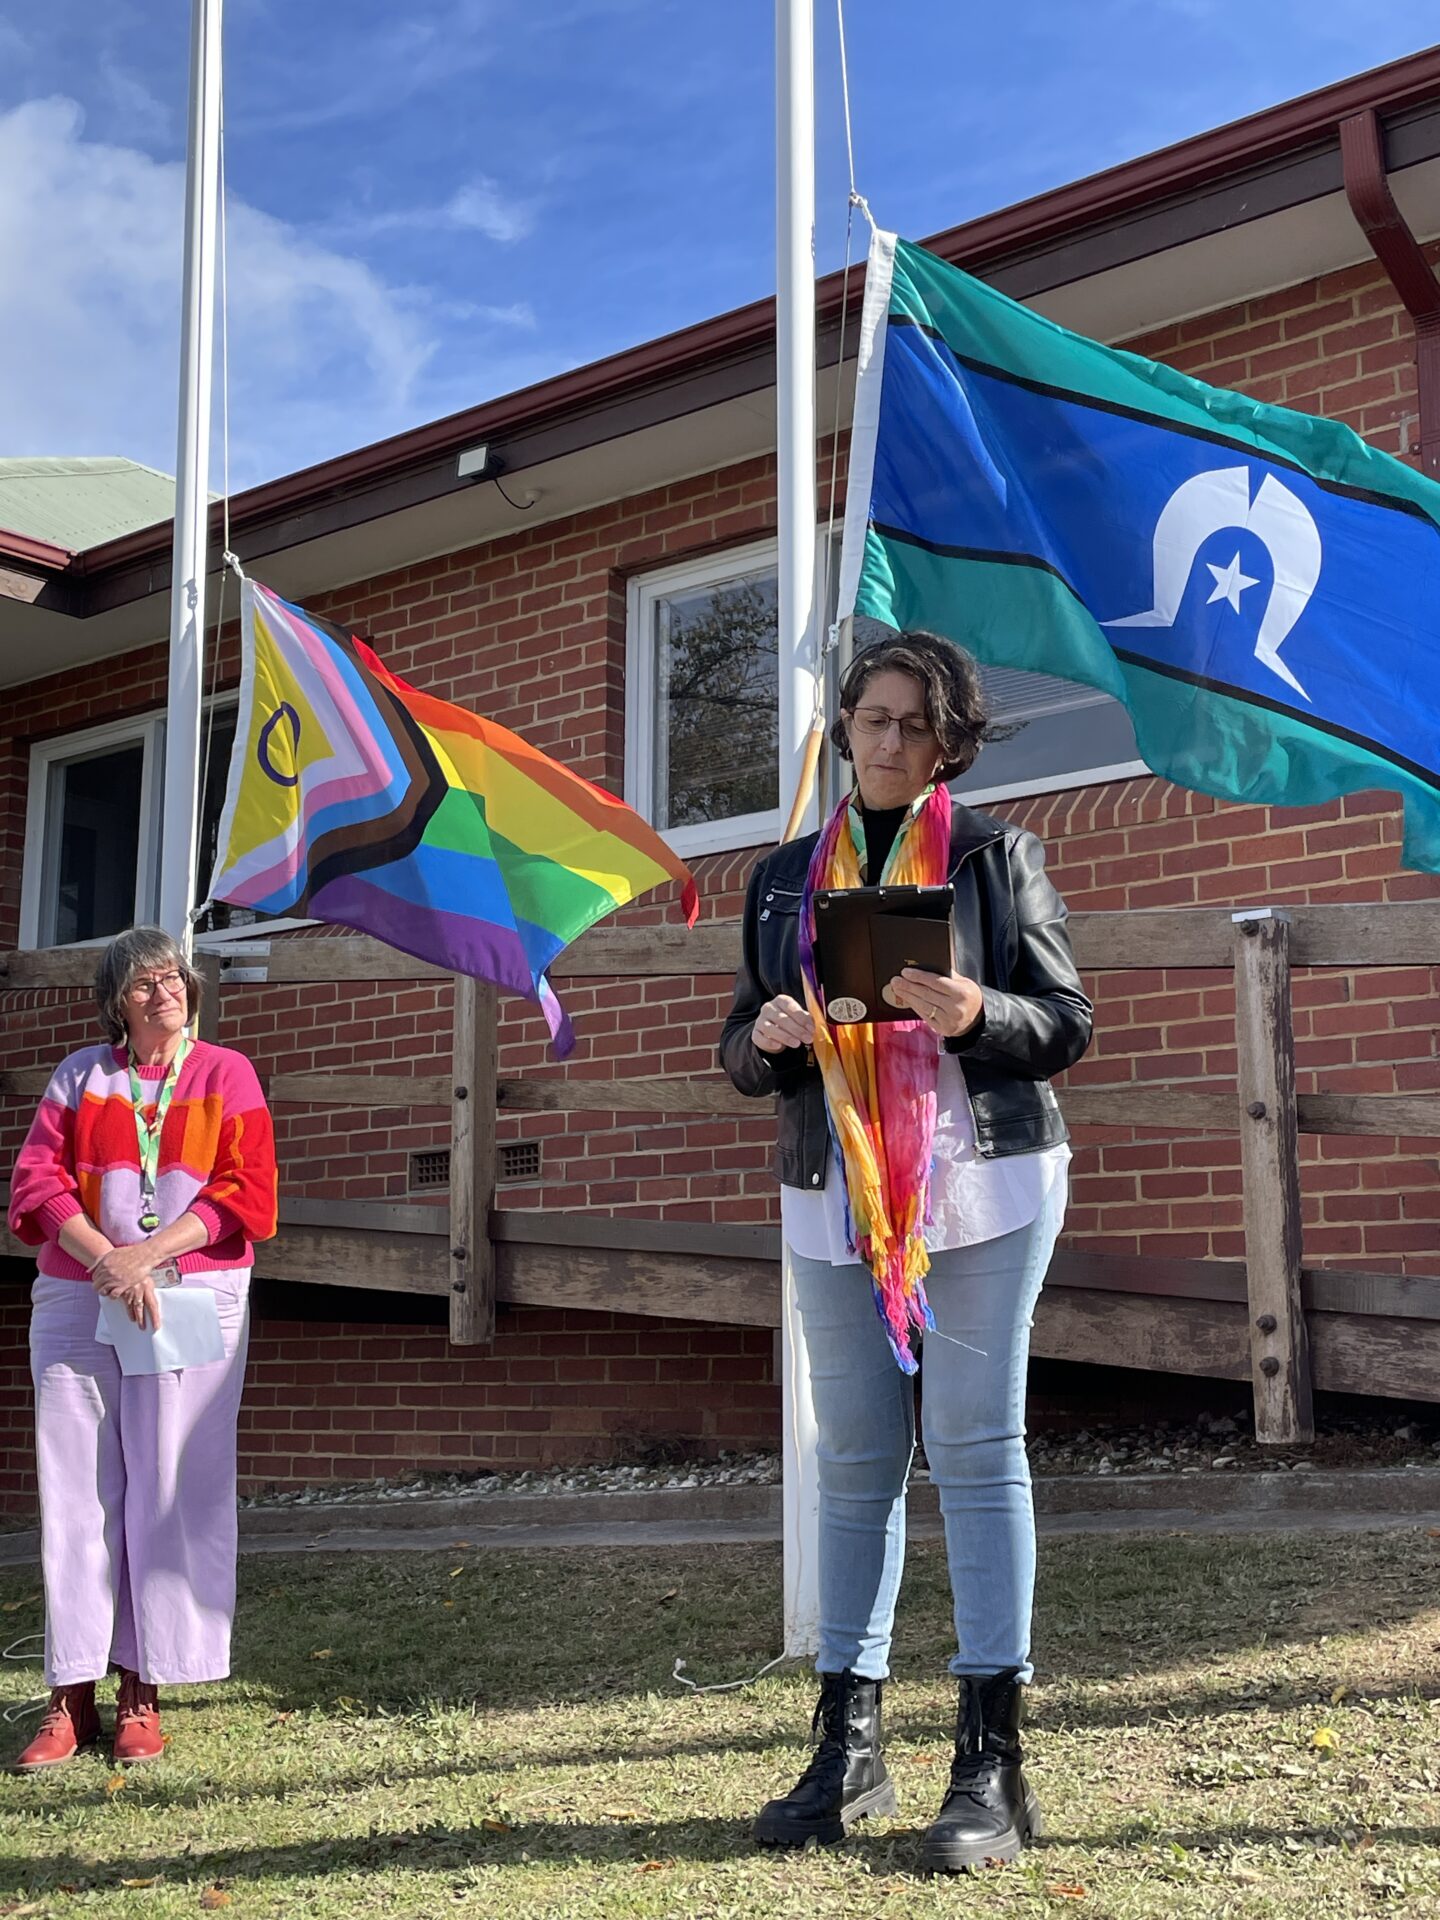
{"points": [[880, 1079]]}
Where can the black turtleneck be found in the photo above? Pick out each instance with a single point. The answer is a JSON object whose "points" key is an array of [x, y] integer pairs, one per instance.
{"points": [[880, 832]]}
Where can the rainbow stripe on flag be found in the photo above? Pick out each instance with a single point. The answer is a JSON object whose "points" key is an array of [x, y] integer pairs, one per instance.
{"points": [[355, 798]]}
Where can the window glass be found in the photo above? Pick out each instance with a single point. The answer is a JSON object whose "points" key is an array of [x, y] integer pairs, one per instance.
{"points": [[221, 733], [1051, 732], [715, 720], [92, 844]]}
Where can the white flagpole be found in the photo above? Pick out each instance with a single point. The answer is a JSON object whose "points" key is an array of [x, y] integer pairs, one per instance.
{"points": [[798, 662], [192, 474]]}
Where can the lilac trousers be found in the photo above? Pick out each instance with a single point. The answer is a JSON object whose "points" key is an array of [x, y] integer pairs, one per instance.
{"points": [[138, 1523]]}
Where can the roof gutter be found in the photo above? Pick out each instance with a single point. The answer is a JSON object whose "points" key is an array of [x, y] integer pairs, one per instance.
{"points": [[1367, 188], [35, 556]]}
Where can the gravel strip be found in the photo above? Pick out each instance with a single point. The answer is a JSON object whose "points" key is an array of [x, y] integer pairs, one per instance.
{"points": [[1223, 1443]]}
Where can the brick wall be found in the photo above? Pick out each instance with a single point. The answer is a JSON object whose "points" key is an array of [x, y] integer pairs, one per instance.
{"points": [[530, 629]]}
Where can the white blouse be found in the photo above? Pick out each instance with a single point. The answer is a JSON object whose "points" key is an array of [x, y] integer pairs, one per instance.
{"points": [[973, 1197]]}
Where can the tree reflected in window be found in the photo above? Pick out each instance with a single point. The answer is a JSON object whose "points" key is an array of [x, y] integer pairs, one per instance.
{"points": [[716, 719]]}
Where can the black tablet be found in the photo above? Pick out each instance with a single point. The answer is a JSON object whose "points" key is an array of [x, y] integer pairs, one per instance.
{"points": [[864, 936]]}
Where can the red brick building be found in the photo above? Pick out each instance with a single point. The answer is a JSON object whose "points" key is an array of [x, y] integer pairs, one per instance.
{"points": [[582, 619]]}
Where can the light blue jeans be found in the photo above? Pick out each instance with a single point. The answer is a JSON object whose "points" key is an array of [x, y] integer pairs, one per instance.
{"points": [[973, 1413]]}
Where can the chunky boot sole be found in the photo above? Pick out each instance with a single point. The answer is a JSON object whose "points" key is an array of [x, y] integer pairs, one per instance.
{"points": [[782, 1830], [943, 1854]]}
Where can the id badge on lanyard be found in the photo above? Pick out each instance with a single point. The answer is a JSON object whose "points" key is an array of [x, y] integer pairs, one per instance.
{"points": [[148, 1137]]}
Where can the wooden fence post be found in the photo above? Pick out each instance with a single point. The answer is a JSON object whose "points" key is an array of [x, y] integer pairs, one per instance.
{"points": [[1270, 1162], [472, 1164]]}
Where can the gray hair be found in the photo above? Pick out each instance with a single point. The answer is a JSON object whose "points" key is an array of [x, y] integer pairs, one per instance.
{"points": [[130, 953]]}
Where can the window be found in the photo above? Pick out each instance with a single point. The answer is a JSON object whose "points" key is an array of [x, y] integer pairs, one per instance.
{"points": [[1054, 734], [702, 726], [92, 837]]}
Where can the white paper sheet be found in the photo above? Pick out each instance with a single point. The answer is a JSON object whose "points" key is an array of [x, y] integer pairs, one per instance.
{"points": [[189, 1334]]}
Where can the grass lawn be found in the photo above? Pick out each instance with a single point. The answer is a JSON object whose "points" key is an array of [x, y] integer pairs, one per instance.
{"points": [[1222, 1727]]}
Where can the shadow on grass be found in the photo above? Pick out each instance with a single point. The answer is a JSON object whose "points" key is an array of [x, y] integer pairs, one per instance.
{"points": [[430, 1849], [537, 1843]]}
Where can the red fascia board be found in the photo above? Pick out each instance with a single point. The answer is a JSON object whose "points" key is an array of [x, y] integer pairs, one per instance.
{"points": [[30, 553], [1167, 174]]}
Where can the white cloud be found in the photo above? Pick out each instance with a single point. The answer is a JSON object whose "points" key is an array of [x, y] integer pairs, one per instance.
{"points": [[480, 206], [149, 120], [324, 353]]}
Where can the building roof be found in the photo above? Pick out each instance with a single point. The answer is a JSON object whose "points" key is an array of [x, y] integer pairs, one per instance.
{"points": [[82, 503]]}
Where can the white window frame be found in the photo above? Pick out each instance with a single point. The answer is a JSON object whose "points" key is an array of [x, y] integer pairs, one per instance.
{"points": [[147, 730], [642, 696], [1040, 707]]}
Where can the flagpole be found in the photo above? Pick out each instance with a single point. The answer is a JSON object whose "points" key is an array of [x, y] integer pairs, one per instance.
{"points": [[797, 666], [192, 472]]}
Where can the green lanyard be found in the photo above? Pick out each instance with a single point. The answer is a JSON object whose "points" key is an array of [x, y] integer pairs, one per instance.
{"points": [[148, 1137]]}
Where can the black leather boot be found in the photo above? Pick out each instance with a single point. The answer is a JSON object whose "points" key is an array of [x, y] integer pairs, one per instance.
{"points": [[989, 1813], [846, 1779]]}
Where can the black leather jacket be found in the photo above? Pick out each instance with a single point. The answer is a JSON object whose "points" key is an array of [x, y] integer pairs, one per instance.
{"points": [[1010, 936]]}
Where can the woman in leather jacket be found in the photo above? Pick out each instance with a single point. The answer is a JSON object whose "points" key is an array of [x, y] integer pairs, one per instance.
{"points": [[991, 1181]]}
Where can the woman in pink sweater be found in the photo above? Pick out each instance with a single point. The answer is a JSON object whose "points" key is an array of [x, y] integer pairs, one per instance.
{"points": [[149, 1165]]}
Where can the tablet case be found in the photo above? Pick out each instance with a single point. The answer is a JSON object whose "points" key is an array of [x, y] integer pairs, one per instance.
{"points": [[864, 936]]}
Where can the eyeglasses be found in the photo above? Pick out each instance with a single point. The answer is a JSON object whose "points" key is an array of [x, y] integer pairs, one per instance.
{"points": [[874, 723], [173, 983]]}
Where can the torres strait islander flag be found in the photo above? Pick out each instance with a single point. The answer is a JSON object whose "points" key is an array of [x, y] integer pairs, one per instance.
{"points": [[355, 798], [1261, 589]]}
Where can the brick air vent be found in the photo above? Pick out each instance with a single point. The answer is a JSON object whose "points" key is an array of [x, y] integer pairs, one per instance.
{"points": [[429, 1170], [516, 1160], [519, 1160]]}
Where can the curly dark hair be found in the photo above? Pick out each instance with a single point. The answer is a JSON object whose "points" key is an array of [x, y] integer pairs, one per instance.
{"points": [[950, 679]]}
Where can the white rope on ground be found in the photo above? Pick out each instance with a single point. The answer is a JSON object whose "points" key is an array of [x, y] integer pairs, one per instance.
{"points": [[24, 1708], [726, 1686]]}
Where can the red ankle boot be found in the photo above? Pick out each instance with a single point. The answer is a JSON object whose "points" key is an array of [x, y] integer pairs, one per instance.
{"points": [[70, 1723], [137, 1721]]}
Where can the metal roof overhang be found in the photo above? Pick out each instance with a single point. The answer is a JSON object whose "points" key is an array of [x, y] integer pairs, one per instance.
{"points": [[1228, 216]]}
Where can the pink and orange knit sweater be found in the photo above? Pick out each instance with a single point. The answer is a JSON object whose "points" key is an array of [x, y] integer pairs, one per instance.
{"points": [[217, 1158]]}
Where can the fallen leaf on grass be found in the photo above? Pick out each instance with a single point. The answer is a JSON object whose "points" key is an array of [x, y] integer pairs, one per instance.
{"points": [[457, 1544], [116, 1782], [455, 1572], [322, 1653], [621, 1813], [154, 1880], [1338, 1695], [447, 1603], [665, 1598], [496, 1826], [1065, 1890], [213, 1898], [923, 1760], [654, 1866], [1325, 1740], [18, 1907], [279, 1718], [14, 1606]]}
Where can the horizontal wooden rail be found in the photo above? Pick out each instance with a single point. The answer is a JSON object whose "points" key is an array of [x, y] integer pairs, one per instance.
{"points": [[361, 1089], [1402, 933], [1125, 1104]]}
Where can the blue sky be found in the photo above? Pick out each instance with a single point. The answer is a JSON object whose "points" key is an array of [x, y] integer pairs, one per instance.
{"points": [[436, 202]]}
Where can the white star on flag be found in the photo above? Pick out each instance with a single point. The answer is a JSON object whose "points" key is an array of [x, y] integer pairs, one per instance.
{"points": [[1230, 583]]}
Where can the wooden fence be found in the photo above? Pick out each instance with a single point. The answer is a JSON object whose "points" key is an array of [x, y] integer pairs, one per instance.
{"points": [[1288, 1327]]}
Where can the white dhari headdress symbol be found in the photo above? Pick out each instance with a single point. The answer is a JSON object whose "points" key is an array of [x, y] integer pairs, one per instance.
{"points": [[1210, 502]]}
